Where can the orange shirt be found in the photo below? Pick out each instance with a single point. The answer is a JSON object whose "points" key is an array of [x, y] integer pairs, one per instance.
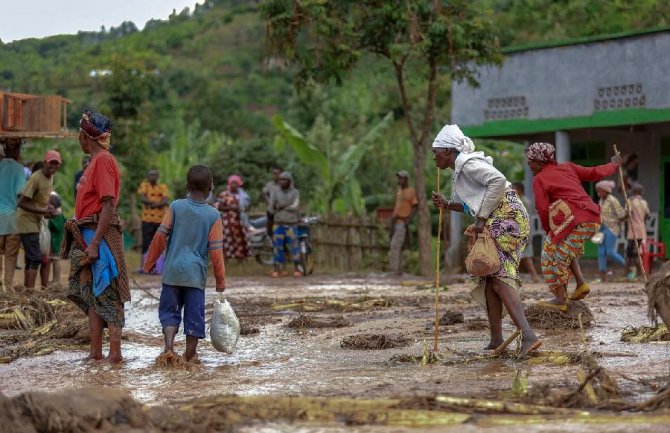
{"points": [[155, 193], [405, 199], [101, 178]]}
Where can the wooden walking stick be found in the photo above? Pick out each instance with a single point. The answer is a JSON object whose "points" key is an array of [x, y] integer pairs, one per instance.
{"points": [[630, 218], [437, 270]]}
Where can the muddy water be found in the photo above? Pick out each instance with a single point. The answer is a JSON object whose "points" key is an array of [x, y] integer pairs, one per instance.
{"points": [[282, 361]]}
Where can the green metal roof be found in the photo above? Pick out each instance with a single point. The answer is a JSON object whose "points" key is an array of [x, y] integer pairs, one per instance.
{"points": [[583, 40], [517, 127]]}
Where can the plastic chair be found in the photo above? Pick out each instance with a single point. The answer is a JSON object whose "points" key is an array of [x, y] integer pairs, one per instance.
{"points": [[649, 250]]}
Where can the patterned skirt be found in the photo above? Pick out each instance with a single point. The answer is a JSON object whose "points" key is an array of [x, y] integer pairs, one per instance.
{"points": [[107, 305], [510, 228], [556, 258]]}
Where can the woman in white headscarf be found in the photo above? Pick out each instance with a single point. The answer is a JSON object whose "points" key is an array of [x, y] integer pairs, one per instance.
{"points": [[482, 191]]}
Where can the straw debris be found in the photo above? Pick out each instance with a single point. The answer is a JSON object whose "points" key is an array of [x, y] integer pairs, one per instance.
{"points": [[551, 319]]}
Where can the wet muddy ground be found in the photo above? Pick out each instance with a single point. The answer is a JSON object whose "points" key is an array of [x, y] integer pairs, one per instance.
{"points": [[299, 339]]}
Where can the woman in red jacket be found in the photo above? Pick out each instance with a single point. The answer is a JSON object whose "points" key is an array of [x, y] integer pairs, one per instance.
{"points": [[568, 215]]}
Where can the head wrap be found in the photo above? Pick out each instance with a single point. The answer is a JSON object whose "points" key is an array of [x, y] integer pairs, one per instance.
{"points": [[606, 185], [541, 152], [235, 178], [451, 137], [97, 127]]}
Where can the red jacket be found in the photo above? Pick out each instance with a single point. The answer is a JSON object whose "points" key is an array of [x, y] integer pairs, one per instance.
{"points": [[564, 182]]}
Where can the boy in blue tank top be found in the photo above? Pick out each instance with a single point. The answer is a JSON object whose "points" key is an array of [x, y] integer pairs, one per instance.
{"points": [[191, 232]]}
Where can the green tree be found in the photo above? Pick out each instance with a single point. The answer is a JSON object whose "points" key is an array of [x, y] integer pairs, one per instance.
{"points": [[423, 40], [339, 190]]}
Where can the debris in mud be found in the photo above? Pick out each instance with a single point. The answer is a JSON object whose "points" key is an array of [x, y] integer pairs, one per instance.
{"points": [[658, 294], [645, 334], [172, 360], [247, 328], [48, 322], [477, 325], [334, 304], [429, 358], [551, 319], [90, 410], [304, 321], [374, 342], [451, 317]]}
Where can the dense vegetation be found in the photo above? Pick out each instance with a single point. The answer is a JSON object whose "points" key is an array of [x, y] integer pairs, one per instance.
{"points": [[204, 86]]}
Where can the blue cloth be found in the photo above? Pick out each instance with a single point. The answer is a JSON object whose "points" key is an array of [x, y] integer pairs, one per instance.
{"points": [[13, 181], [286, 237], [191, 300], [104, 269], [466, 209], [188, 245], [608, 250]]}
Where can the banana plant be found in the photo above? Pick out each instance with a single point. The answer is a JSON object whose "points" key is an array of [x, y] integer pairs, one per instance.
{"points": [[339, 191]]}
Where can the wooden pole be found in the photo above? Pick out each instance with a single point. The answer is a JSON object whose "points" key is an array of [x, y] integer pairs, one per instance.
{"points": [[437, 270], [630, 219]]}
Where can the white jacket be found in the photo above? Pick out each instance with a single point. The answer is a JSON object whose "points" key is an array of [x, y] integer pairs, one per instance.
{"points": [[477, 183]]}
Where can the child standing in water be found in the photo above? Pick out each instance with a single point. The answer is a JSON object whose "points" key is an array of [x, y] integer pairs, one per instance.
{"points": [[191, 232]]}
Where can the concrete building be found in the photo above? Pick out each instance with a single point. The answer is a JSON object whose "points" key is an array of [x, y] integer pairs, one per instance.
{"points": [[583, 96]]}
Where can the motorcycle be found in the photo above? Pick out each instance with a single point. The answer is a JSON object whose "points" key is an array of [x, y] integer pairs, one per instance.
{"points": [[262, 246]]}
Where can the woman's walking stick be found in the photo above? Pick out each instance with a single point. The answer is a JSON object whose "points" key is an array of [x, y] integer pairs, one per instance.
{"points": [[630, 219], [437, 270]]}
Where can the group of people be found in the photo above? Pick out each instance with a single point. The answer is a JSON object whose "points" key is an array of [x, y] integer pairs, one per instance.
{"points": [[30, 217], [191, 231], [233, 203], [567, 213]]}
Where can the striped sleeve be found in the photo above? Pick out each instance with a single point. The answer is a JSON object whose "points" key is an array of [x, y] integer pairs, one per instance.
{"points": [[215, 247], [159, 241]]}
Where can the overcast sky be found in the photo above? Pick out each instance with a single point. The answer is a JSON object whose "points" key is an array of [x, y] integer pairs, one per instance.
{"points": [[20, 19]]}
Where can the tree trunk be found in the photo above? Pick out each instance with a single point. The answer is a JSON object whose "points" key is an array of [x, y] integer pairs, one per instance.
{"points": [[424, 231]]}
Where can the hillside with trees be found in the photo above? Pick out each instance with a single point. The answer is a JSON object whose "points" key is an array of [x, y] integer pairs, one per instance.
{"points": [[208, 85]]}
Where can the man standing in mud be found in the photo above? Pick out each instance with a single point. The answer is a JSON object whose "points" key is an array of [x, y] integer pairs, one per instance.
{"points": [[284, 207], [12, 181], [406, 205], [33, 207], [268, 190], [154, 198]]}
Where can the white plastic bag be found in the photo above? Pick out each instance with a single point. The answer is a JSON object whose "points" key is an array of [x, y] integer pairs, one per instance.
{"points": [[225, 329], [45, 238]]}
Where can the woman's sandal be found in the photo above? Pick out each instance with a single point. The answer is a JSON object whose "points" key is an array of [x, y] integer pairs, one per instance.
{"points": [[581, 292], [563, 308]]}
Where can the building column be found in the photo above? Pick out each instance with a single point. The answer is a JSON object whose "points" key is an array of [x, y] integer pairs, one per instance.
{"points": [[528, 179], [562, 147], [454, 253]]}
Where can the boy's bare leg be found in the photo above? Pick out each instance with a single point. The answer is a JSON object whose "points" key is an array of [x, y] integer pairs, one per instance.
{"points": [[169, 334], [29, 278], [96, 325], [191, 346], [114, 356], [494, 312], [44, 274]]}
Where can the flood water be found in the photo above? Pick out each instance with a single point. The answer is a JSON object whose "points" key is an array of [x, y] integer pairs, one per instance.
{"points": [[289, 362]]}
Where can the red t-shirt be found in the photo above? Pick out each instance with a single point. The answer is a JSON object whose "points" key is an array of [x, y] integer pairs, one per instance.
{"points": [[101, 178]]}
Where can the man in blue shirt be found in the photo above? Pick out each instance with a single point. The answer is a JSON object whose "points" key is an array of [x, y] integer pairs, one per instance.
{"points": [[11, 184]]}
